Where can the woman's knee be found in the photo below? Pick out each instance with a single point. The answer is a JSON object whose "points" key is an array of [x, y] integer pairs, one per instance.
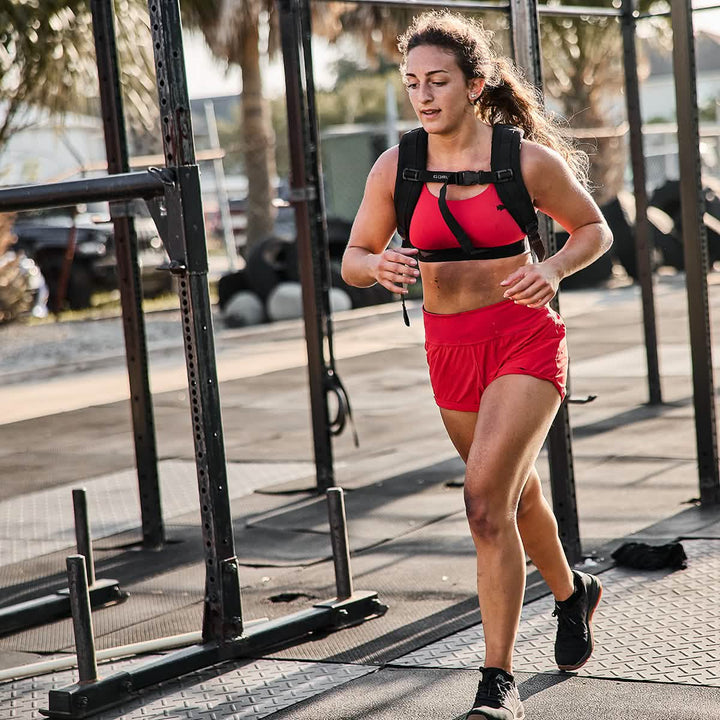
{"points": [[488, 517]]}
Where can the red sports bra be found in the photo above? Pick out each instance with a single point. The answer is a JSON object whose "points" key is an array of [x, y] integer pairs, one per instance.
{"points": [[483, 217]]}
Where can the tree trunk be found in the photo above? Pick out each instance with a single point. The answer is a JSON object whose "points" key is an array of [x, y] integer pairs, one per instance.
{"points": [[258, 142]]}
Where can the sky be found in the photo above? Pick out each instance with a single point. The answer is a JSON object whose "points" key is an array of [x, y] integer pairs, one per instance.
{"points": [[209, 77]]}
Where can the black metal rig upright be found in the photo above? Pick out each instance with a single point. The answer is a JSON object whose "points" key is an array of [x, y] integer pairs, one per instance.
{"points": [[695, 251], [184, 239], [308, 197], [526, 45], [643, 239], [128, 271]]}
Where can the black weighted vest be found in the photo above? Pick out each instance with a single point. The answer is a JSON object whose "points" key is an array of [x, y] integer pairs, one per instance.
{"points": [[504, 173]]}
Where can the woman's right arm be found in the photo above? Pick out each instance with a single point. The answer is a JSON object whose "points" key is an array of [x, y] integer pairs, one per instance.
{"points": [[367, 259]]}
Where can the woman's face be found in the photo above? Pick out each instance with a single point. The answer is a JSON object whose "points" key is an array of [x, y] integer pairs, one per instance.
{"points": [[438, 90]]}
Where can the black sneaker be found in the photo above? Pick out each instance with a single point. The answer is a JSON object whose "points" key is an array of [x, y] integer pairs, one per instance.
{"points": [[574, 641], [497, 697]]}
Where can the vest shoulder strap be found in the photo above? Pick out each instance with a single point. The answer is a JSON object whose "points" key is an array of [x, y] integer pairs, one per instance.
{"points": [[412, 153], [513, 194]]}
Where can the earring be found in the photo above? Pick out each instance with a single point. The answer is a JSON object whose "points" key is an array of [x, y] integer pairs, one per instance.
{"points": [[473, 95]]}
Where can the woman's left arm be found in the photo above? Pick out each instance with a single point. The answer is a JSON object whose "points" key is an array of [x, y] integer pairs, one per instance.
{"points": [[556, 192]]}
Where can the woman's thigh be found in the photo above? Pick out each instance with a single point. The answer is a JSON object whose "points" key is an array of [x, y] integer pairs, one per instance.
{"points": [[515, 414], [460, 427]]}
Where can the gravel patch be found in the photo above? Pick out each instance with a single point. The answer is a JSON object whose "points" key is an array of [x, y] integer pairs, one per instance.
{"points": [[30, 352]]}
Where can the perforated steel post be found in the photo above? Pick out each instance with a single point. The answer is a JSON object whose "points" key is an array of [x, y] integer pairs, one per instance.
{"points": [[304, 197], [642, 226], [82, 532], [82, 618], [128, 270], [340, 544], [695, 251], [526, 47], [184, 238]]}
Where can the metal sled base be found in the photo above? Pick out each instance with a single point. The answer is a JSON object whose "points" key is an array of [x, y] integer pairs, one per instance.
{"points": [[82, 700]]}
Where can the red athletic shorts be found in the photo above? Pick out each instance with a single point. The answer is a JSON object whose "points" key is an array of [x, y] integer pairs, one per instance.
{"points": [[466, 351]]}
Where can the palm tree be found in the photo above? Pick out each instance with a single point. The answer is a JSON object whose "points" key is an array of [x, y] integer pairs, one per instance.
{"points": [[47, 60]]}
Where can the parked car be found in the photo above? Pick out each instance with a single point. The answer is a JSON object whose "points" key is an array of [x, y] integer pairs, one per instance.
{"points": [[45, 236]]}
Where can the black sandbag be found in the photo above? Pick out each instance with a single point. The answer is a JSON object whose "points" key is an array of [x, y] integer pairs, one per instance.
{"points": [[641, 556]]}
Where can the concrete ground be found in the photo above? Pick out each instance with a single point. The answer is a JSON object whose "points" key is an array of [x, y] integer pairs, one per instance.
{"points": [[636, 474]]}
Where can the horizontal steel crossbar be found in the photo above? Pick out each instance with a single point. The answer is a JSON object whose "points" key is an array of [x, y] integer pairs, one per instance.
{"points": [[452, 4], [45, 609], [558, 10], [122, 186]]}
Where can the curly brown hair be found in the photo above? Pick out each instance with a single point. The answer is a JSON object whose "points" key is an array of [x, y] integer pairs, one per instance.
{"points": [[507, 96]]}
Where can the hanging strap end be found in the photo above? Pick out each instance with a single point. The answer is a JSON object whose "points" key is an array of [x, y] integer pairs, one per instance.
{"points": [[406, 317]]}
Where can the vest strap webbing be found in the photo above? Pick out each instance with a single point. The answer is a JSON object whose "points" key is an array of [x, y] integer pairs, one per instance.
{"points": [[412, 153], [463, 177], [513, 194]]}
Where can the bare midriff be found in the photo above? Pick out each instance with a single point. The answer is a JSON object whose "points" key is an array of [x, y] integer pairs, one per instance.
{"points": [[452, 287]]}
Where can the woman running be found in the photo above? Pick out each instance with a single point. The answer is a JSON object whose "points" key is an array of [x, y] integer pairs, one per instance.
{"points": [[495, 350]]}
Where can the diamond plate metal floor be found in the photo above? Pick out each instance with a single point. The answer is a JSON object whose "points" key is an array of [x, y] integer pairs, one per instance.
{"points": [[233, 691], [650, 626], [42, 522]]}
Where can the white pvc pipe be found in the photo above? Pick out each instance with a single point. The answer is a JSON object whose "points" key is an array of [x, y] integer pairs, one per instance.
{"points": [[67, 663]]}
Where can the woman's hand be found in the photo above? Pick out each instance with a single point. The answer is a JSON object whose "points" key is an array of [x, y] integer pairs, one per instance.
{"points": [[532, 285], [394, 268]]}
